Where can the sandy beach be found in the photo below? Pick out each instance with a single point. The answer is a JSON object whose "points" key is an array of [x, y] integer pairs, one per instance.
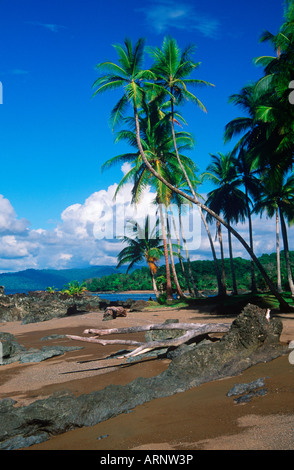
{"points": [[202, 418]]}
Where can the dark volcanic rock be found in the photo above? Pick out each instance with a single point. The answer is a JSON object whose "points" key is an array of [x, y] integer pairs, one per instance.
{"points": [[41, 306], [12, 351], [251, 339]]}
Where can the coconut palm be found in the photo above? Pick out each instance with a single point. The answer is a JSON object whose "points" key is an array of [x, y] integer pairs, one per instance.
{"points": [[172, 68], [129, 76], [144, 244], [272, 89], [227, 199], [247, 175], [159, 150], [277, 198]]}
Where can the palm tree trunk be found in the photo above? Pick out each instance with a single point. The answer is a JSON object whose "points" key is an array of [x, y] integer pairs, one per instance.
{"points": [[286, 252], [283, 304], [154, 285], [169, 291], [178, 287], [196, 292], [219, 230], [221, 287], [279, 280], [235, 291], [180, 257], [253, 280]]}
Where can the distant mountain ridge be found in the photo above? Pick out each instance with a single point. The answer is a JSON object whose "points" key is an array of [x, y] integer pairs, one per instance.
{"points": [[35, 279]]}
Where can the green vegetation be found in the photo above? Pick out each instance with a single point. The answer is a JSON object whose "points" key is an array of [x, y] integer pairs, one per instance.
{"points": [[203, 272], [74, 288]]}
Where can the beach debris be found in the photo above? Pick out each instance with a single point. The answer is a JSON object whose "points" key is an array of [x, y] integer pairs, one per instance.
{"points": [[268, 314], [112, 312], [190, 331]]}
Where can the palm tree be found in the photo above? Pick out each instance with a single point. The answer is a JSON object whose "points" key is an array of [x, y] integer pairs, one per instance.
{"points": [[172, 67], [129, 75], [277, 198], [227, 199], [158, 147], [143, 244], [247, 175]]}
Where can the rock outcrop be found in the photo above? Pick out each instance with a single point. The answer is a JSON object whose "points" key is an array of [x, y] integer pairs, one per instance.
{"points": [[12, 351], [39, 306], [252, 338]]}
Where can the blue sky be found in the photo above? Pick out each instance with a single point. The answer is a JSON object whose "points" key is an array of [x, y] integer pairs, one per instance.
{"points": [[54, 136]]}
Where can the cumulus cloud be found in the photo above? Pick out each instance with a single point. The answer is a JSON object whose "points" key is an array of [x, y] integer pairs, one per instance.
{"points": [[9, 223], [169, 14]]}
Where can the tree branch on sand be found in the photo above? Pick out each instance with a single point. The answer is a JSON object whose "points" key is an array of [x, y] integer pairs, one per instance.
{"points": [[191, 331]]}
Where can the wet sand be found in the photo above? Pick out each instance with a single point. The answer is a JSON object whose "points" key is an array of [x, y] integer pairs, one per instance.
{"points": [[200, 418]]}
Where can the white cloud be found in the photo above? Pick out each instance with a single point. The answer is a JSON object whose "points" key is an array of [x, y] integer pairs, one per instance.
{"points": [[54, 28], [9, 223]]}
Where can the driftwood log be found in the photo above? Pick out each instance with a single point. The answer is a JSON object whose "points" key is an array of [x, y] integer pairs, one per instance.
{"points": [[191, 331]]}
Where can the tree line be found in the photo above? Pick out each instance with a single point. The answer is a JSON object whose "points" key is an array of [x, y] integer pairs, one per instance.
{"points": [[203, 271], [255, 176]]}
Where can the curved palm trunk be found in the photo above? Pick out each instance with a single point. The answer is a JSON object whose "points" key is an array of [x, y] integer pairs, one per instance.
{"points": [[221, 287], [286, 252], [235, 291], [279, 280], [169, 291], [178, 287], [283, 304]]}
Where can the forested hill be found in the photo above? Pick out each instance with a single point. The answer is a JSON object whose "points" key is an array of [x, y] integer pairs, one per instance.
{"points": [[34, 279], [203, 272]]}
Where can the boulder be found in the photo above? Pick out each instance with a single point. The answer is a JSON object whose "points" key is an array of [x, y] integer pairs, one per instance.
{"points": [[12, 351], [112, 312], [39, 306]]}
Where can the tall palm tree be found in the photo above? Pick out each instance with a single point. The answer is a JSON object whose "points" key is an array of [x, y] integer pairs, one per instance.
{"points": [[159, 150], [129, 76], [143, 244], [172, 67], [277, 198], [227, 199], [247, 175]]}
